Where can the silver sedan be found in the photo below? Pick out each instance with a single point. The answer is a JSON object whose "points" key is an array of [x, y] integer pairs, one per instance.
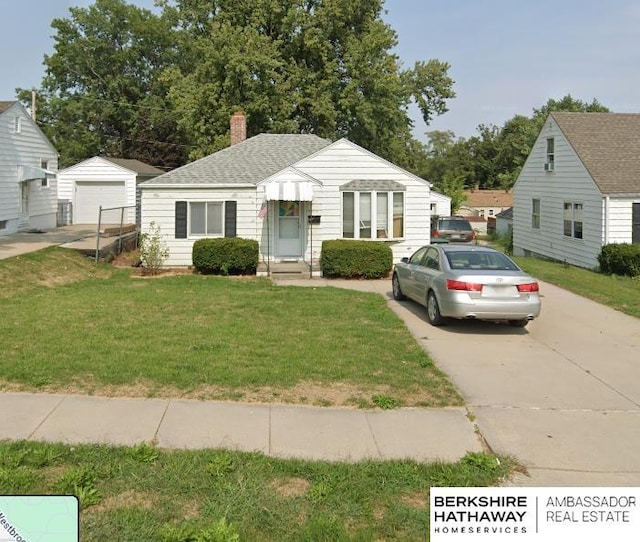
{"points": [[472, 282]]}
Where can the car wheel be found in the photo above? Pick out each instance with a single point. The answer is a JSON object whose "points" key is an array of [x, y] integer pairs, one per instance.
{"points": [[397, 291], [433, 310], [518, 323]]}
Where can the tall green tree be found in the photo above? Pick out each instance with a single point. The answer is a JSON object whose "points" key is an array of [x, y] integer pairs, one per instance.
{"points": [[312, 66], [162, 86], [102, 92]]}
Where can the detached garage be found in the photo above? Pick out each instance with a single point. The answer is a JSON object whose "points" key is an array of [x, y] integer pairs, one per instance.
{"points": [[106, 182]]}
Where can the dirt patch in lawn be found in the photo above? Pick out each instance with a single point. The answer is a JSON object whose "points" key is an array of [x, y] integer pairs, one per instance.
{"points": [[131, 260], [336, 394]]}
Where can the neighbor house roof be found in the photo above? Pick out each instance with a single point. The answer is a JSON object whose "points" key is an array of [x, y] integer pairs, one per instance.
{"points": [[134, 165], [248, 162], [488, 198], [608, 145], [5, 105], [506, 214]]}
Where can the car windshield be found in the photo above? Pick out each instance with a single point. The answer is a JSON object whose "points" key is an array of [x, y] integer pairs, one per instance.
{"points": [[458, 225], [480, 260]]}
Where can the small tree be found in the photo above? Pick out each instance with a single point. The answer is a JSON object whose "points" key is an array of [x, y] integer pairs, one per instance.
{"points": [[153, 250]]}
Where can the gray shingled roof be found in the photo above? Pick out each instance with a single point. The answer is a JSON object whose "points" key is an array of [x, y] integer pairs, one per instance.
{"points": [[5, 105], [134, 165], [248, 162], [608, 145]]}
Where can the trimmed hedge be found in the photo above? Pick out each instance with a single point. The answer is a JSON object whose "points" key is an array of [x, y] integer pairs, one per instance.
{"points": [[355, 259], [620, 259], [225, 256]]}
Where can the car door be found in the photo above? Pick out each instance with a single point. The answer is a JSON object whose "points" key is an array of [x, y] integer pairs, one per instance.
{"points": [[429, 269], [413, 270]]}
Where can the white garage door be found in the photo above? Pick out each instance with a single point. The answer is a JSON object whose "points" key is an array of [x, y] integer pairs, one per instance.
{"points": [[89, 197]]}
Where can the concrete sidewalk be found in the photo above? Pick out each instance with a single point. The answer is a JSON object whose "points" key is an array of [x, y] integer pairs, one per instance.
{"points": [[286, 431]]}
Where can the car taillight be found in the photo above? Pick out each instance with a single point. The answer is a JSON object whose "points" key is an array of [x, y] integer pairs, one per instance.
{"points": [[435, 233], [528, 288], [463, 286]]}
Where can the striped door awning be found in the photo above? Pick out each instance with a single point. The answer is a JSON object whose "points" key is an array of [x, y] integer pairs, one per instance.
{"points": [[289, 191]]}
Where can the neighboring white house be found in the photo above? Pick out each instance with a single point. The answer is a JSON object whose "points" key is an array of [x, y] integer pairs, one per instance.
{"points": [[579, 188], [28, 163], [103, 181], [440, 204], [289, 192]]}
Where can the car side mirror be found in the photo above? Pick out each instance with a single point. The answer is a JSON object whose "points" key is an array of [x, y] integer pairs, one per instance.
{"points": [[404, 260]]}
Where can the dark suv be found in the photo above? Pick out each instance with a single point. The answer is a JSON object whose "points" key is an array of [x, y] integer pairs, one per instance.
{"points": [[452, 229]]}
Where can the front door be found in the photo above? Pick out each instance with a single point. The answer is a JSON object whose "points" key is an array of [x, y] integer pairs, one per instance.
{"points": [[289, 230], [24, 202]]}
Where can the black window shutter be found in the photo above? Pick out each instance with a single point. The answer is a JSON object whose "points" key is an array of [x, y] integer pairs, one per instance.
{"points": [[181, 219], [230, 212]]}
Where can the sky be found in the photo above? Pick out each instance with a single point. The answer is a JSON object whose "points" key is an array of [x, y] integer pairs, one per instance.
{"points": [[506, 57]]}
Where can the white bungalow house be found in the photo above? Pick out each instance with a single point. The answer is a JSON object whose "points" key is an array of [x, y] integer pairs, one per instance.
{"points": [[579, 188], [104, 182], [28, 164], [289, 192]]}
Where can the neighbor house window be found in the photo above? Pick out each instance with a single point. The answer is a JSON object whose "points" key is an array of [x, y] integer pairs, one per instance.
{"points": [[372, 215], [535, 214], [550, 163], [572, 216], [44, 164], [206, 218], [3, 224]]}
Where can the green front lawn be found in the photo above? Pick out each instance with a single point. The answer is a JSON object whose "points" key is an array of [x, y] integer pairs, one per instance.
{"points": [[150, 495], [70, 326], [620, 293]]}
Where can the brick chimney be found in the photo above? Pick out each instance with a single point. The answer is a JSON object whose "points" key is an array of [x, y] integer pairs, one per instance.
{"points": [[238, 127]]}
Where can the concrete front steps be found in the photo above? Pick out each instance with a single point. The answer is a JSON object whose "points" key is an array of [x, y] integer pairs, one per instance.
{"points": [[287, 270]]}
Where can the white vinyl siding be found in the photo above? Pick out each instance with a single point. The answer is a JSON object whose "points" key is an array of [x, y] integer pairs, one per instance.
{"points": [[343, 162], [158, 204], [27, 148], [570, 183], [618, 227]]}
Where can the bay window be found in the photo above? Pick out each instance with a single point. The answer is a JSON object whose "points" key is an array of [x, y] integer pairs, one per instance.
{"points": [[372, 215]]}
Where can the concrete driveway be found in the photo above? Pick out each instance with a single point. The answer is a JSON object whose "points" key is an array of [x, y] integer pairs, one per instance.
{"points": [[562, 395]]}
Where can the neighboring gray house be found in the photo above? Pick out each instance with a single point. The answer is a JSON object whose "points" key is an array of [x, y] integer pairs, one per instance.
{"points": [[289, 192], [504, 221], [579, 188], [28, 163], [103, 181]]}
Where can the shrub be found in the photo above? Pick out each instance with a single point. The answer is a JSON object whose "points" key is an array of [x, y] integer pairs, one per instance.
{"points": [[620, 259], [153, 250], [226, 256], [355, 259]]}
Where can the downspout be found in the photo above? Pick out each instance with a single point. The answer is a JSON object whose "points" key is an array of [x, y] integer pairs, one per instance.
{"points": [[268, 242], [311, 239], [606, 220]]}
